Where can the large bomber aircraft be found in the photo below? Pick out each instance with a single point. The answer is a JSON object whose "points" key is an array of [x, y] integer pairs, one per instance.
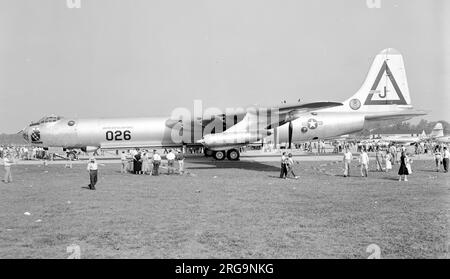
{"points": [[404, 139], [437, 134], [384, 95]]}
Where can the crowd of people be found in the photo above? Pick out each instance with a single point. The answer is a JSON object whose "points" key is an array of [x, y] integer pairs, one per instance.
{"points": [[385, 159], [24, 152], [441, 157], [398, 155], [144, 162], [287, 166]]}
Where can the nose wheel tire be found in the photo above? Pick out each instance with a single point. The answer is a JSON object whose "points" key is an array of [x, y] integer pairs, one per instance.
{"points": [[219, 155], [233, 155]]}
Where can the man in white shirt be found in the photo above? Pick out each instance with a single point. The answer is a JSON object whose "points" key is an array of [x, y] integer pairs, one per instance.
{"points": [[446, 157], [180, 158], [348, 157], [393, 152], [8, 162], [364, 161], [170, 162], [92, 168], [124, 161], [290, 166], [156, 162], [437, 158]]}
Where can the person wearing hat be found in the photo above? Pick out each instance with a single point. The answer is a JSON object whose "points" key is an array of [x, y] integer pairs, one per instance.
{"points": [[92, 168]]}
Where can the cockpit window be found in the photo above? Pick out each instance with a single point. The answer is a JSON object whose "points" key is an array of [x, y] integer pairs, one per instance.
{"points": [[48, 119]]}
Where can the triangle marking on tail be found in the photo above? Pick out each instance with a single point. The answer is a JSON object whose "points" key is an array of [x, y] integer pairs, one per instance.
{"points": [[382, 95]]}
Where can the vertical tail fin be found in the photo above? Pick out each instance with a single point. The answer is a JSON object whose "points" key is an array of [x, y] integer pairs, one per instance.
{"points": [[438, 130], [385, 84]]}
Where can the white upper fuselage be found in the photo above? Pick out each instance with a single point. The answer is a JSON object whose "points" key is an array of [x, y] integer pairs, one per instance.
{"points": [[105, 133]]}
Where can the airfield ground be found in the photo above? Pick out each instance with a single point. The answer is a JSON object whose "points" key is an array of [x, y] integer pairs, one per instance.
{"points": [[225, 210]]}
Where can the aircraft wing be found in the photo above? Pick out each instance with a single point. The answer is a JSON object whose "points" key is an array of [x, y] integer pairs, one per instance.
{"points": [[289, 113], [285, 114], [308, 106], [401, 115], [140, 144]]}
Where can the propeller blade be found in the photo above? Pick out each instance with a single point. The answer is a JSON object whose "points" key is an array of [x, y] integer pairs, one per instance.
{"points": [[290, 133], [21, 131]]}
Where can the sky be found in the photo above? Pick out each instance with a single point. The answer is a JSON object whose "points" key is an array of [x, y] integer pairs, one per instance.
{"points": [[116, 58]]}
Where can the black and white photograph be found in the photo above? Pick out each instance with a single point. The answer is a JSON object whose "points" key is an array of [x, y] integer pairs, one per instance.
{"points": [[246, 131]]}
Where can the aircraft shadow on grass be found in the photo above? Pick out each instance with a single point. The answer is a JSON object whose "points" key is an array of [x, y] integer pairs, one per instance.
{"points": [[246, 165]]}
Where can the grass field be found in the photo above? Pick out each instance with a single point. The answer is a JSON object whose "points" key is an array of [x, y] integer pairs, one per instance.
{"points": [[225, 210]]}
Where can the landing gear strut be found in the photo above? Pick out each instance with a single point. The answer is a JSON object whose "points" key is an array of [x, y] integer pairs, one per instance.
{"points": [[208, 153]]}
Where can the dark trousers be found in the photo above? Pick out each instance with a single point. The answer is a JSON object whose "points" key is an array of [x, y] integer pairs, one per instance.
{"points": [[156, 167], [283, 172], [446, 161], [93, 178]]}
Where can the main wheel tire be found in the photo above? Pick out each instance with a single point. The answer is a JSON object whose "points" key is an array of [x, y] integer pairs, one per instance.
{"points": [[72, 156], [219, 155], [233, 155]]}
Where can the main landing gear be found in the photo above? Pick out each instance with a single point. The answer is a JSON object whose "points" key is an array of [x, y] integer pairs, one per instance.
{"points": [[232, 154]]}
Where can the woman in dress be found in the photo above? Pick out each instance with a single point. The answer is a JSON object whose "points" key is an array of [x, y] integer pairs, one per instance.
{"points": [[379, 158], [403, 170], [437, 157], [388, 159], [137, 163], [145, 164]]}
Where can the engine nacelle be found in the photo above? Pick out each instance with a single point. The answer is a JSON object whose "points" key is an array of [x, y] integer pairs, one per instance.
{"points": [[89, 148], [229, 139], [322, 125]]}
